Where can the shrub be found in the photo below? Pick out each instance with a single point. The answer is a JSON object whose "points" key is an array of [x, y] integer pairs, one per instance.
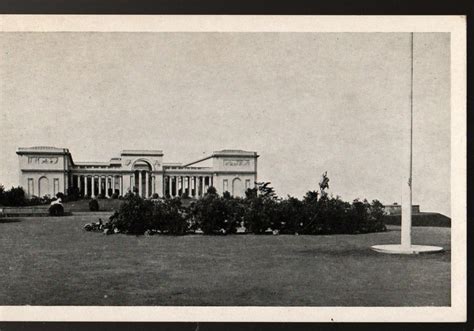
{"points": [[211, 190], [261, 209], [376, 213], [169, 217], [329, 216], [101, 196], [258, 214], [56, 209], [47, 199], [60, 195], [34, 200], [2, 194], [134, 216], [14, 197], [115, 195], [251, 193], [217, 215], [94, 205], [155, 196], [289, 217], [72, 193]]}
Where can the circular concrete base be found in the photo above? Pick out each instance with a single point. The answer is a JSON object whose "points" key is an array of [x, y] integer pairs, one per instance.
{"points": [[413, 249]]}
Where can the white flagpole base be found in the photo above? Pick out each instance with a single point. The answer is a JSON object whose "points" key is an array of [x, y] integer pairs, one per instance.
{"points": [[412, 249]]}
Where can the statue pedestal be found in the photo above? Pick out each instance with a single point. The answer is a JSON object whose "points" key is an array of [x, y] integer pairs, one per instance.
{"points": [[412, 249]]}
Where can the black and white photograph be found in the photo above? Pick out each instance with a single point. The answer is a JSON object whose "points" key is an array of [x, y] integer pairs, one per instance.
{"points": [[225, 168]]}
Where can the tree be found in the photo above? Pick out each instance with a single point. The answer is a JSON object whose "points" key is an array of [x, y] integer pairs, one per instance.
{"points": [[72, 193], [265, 190], [217, 215], [169, 217], [211, 190], [134, 216], [14, 197]]}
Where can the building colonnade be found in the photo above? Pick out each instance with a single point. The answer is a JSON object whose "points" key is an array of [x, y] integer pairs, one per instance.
{"points": [[94, 185], [193, 186], [142, 182]]}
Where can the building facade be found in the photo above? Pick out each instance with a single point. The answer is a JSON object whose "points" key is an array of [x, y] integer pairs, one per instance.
{"points": [[50, 170]]}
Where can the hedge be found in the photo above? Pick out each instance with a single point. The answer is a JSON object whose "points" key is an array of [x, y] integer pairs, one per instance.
{"points": [[260, 212]]}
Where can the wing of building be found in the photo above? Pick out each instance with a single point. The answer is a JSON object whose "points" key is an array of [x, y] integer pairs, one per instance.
{"points": [[49, 170]]}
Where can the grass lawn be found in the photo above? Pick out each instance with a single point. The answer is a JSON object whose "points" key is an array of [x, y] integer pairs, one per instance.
{"points": [[52, 261]]}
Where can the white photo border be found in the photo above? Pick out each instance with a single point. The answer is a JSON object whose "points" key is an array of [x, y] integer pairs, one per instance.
{"points": [[455, 25]]}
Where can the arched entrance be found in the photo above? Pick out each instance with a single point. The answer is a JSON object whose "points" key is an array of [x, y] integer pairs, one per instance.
{"points": [[237, 188], [142, 179], [43, 186]]}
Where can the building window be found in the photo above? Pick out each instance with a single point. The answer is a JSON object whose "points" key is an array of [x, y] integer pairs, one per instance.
{"points": [[226, 185], [247, 183], [31, 190]]}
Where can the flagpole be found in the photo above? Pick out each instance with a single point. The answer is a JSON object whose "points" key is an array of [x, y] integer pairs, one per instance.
{"points": [[406, 246], [406, 221]]}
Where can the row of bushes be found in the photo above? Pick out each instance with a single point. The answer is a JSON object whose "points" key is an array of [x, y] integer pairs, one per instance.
{"points": [[260, 211], [16, 197], [137, 215], [13, 197]]}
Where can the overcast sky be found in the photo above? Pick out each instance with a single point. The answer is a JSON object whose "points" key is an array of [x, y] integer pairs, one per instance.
{"points": [[306, 102]]}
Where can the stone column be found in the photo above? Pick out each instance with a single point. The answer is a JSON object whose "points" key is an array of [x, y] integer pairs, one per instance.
{"points": [[79, 183], [140, 183], [175, 185], [206, 186], [85, 186], [153, 184], [189, 186], [198, 186], [113, 184], [93, 187], [121, 185], [178, 183], [170, 185], [178, 179], [106, 183], [100, 184], [147, 184]]}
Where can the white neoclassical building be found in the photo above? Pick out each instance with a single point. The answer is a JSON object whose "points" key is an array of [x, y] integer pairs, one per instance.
{"points": [[49, 170]]}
